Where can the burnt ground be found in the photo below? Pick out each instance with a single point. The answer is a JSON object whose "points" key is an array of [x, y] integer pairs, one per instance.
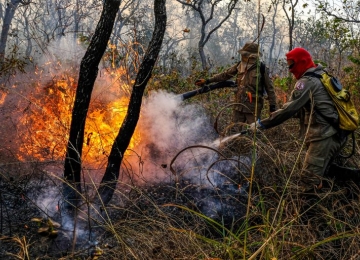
{"points": [[175, 205], [143, 217], [185, 220]]}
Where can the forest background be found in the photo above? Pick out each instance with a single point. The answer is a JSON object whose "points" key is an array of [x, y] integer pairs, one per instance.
{"points": [[171, 199]]}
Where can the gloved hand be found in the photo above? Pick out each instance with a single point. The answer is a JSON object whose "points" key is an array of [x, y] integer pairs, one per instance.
{"points": [[200, 82], [272, 108], [256, 125]]}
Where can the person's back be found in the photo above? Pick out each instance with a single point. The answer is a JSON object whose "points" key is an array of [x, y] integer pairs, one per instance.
{"points": [[320, 111], [322, 138], [251, 82]]}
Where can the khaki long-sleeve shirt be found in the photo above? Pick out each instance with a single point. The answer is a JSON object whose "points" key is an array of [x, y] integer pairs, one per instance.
{"points": [[309, 94], [249, 81]]}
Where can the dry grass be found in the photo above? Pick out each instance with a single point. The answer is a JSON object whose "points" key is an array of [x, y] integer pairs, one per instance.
{"points": [[166, 221]]}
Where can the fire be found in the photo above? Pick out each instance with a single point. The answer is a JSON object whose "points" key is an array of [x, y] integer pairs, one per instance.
{"points": [[2, 97], [46, 122]]}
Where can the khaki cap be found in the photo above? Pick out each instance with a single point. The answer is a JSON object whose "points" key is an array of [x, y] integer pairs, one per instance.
{"points": [[250, 47]]}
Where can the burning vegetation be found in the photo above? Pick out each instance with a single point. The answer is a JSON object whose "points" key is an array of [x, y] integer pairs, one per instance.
{"points": [[45, 121]]}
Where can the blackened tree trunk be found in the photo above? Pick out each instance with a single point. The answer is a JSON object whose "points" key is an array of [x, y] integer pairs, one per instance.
{"points": [[87, 77], [110, 178]]}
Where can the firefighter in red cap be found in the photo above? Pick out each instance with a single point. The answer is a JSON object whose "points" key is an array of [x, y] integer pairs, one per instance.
{"points": [[251, 75], [322, 139]]}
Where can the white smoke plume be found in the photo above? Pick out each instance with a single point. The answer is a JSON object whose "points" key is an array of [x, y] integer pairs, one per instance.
{"points": [[171, 126]]}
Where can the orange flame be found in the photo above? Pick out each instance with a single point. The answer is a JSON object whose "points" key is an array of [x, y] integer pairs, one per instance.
{"points": [[2, 97], [48, 116]]}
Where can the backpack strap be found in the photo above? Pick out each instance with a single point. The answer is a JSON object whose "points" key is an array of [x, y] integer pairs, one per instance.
{"points": [[262, 73], [262, 68], [262, 76], [313, 74]]}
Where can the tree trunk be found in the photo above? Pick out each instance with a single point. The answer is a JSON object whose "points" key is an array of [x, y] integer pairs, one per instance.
{"points": [[202, 57], [273, 38], [110, 178], [210, 6], [87, 77], [76, 20], [28, 37], [9, 15]]}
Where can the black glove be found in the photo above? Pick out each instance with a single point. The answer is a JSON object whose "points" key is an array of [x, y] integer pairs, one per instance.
{"points": [[272, 108]]}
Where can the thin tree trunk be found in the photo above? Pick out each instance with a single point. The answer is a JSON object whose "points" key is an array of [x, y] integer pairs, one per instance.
{"points": [[202, 57], [87, 77], [9, 15], [76, 20], [273, 38], [28, 37], [110, 178]]}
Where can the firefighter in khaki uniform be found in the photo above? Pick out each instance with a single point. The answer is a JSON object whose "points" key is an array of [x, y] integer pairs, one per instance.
{"points": [[323, 140], [248, 74]]}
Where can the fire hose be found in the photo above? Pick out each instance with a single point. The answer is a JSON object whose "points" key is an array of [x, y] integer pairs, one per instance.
{"points": [[208, 88]]}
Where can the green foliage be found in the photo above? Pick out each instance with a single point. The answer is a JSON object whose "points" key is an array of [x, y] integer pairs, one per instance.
{"points": [[355, 60], [324, 64], [173, 82], [283, 83], [84, 39]]}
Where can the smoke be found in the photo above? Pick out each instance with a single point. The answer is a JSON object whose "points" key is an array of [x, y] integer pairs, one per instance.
{"points": [[169, 127], [180, 136], [171, 124], [67, 50]]}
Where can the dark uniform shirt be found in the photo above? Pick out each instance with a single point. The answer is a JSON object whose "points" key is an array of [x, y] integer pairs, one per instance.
{"points": [[320, 112]]}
